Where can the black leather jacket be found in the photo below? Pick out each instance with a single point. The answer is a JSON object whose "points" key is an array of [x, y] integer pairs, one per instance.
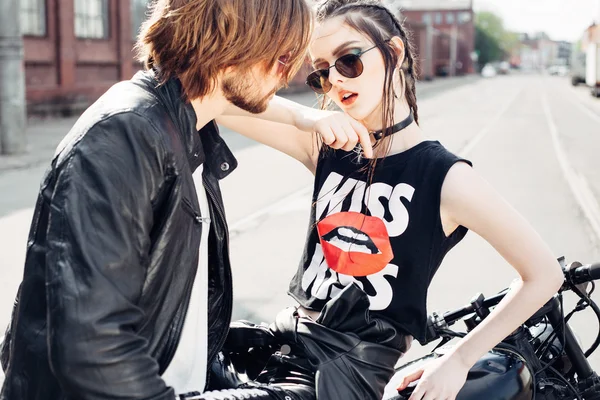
{"points": [[113, 251]]}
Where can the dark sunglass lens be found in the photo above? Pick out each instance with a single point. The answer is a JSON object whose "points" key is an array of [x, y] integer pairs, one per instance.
{"points": [[319, 81], [349, 65]]}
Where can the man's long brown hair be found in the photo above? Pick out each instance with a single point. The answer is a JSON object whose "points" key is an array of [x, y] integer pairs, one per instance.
{"points": [[194, 40]]}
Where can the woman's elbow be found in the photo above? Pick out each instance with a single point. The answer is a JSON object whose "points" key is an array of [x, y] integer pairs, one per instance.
{"points": [[552, 278]]}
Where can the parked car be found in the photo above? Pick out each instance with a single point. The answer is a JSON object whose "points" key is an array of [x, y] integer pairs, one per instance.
{"points": [[504, 68], [558, 70], [578, 62], [488, 71]]}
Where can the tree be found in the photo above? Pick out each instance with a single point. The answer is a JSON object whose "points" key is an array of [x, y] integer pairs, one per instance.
{"points": [[486, 47], [510, 42], [492, 41]]}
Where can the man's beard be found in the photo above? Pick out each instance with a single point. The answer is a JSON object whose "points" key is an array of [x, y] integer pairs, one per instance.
{"points": [[241, 93]]}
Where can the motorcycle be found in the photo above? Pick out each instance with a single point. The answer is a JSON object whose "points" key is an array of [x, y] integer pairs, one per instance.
{"points": [[541, 360]]}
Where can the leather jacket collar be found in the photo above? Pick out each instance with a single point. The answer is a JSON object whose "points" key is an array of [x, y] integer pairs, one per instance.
{"points": [[203, 146]]}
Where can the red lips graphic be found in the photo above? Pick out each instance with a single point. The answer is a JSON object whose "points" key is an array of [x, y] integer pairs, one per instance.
{"points": [[355, 244]]}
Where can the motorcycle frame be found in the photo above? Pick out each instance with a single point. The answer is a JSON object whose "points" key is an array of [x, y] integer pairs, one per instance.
{"points": [[580, 364]]}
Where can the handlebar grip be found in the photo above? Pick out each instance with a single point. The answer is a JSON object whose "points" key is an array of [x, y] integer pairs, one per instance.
{"points": [[453, 316], [585, 273], [595, 271]]}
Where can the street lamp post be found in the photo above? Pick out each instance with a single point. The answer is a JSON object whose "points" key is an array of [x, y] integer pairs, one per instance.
{"points": [[12, 80]]}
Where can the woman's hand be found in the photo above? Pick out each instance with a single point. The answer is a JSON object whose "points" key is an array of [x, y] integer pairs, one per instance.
{"points": [[340, 131], [441, 379]]}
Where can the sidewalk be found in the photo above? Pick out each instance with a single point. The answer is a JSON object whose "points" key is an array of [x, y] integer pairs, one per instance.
{"points": [[44, 134], [585, 98]]}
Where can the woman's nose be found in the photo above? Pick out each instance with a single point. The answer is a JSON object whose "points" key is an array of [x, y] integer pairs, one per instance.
{"points": [[335, 76]]}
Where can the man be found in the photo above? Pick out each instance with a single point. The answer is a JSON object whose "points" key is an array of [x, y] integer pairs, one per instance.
{"points": [[127, 290]]}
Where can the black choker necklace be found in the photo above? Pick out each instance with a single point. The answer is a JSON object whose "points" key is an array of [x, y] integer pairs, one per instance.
{"points": [[396, 128]]}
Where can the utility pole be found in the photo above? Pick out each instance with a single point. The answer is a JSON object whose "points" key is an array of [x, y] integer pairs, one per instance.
{"points": [[12, 80], [453, 48], [429, 73]]}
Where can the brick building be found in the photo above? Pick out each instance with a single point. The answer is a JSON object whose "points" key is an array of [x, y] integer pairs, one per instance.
{"points": [[444, 34], [76, 49]]}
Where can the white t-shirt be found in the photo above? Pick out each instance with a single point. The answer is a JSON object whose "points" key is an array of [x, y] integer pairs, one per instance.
{"points": [[187, 371]]}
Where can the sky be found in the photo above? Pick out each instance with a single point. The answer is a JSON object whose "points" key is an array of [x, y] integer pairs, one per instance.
{"points": [[560, 19]]}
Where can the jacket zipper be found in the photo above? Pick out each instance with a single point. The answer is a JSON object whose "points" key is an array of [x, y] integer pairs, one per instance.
{"points": [[197, 217], [221, 215], [182, 312], [175, 340]]}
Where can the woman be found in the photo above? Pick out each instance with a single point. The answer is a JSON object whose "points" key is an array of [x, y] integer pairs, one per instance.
{"points": [[381, 226]]}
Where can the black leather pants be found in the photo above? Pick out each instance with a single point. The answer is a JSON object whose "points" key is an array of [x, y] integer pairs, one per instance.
{"points": [[344, 354], [284, 377]]}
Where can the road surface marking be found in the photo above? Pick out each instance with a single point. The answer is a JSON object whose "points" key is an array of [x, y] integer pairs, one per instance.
{"points": [[578, 184], [486, 129], [245, 223]]}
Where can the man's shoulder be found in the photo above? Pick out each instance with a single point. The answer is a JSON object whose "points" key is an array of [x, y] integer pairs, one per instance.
{"points": [[130, 99], [127, 113]]}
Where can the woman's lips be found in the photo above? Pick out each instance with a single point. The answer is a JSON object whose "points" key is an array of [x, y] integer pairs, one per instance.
{"points": [[355, 244], [348, 98]]}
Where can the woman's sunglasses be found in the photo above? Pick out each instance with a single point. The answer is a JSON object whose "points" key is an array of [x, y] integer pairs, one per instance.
{"points": [[348, 65]]}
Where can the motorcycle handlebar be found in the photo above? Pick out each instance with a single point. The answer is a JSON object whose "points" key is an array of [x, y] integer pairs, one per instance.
{"points": [[453, 316], [582, 274], [585, 273]]}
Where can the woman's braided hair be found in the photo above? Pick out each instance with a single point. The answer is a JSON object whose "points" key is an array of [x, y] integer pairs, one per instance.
{"points": [[380, 24]]}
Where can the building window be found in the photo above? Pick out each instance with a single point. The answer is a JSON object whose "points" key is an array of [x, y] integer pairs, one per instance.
{"points": [[139, 9], [450, 18], [33, 17], [464, 17], [91, 19], [426, 18], [438, 18]]}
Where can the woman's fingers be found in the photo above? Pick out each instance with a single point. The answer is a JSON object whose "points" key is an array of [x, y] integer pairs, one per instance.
{"points": [[364, 138], [351, 137], [410, 378], [340, 131], [326, 134]]}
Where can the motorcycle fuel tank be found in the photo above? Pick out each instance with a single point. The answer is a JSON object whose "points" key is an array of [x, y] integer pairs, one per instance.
{"points": [[498, 375]]}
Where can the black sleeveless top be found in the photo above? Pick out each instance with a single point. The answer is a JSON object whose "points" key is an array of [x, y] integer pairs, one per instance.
{"points": [[386, 235]]}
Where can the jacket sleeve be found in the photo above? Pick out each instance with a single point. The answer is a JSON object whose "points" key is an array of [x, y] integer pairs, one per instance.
{"points": [[98, 236]]}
